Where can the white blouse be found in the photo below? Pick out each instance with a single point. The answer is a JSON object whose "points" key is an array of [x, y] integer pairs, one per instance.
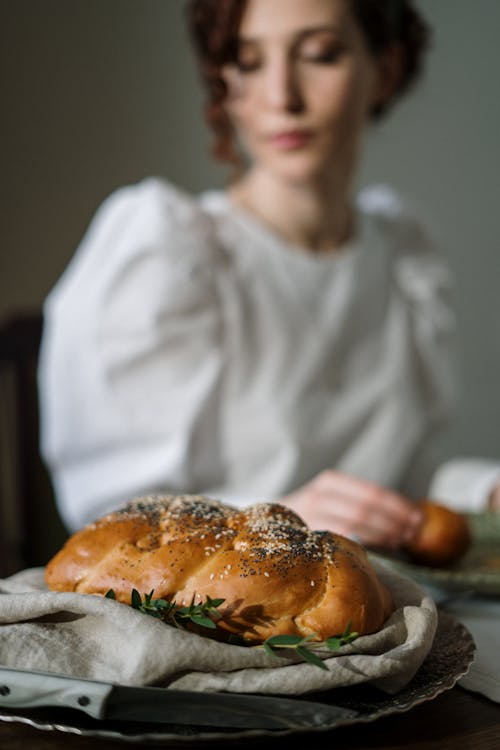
{"points": [[187, 348]]}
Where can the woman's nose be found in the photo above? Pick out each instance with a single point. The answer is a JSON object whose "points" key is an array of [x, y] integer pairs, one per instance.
{"points": [[281, 87]]}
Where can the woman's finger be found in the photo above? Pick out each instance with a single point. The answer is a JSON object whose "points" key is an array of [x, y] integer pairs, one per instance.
{"points": [[356, 508]]}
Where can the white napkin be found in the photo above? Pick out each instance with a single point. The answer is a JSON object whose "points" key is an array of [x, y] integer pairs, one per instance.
{"points": [[92, 637]]}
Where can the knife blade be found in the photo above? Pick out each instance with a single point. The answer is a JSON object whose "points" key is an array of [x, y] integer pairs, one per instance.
{"points": [[108, 701]]}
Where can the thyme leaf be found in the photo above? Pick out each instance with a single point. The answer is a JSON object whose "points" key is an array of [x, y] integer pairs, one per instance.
{"points": [[311, 657], [335, 642]]}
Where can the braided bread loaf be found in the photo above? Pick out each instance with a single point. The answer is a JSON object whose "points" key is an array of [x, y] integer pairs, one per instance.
{"points": [[275, 575]]}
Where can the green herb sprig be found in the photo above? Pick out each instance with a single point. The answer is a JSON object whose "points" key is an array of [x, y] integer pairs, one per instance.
{"points": [[299, 644], [206, 614]]}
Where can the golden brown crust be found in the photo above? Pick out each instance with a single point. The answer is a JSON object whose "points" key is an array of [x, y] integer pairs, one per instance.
{"points": [[275, 575], [443, 538]]}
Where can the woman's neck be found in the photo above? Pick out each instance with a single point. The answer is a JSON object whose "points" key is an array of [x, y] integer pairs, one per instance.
{"points": [[316, 218]]}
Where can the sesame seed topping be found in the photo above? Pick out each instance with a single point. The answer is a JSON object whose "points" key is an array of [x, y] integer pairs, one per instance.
{"points": [[263, 538]]}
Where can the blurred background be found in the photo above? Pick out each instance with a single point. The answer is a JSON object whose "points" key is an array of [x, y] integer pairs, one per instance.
{"points": [[98, 94]]}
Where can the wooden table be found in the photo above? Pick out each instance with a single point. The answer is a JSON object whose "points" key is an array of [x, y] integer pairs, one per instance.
{"points": [[455, 720]]}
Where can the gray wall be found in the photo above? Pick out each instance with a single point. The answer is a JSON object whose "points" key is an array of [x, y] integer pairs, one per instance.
{"points": [[98, 93]]}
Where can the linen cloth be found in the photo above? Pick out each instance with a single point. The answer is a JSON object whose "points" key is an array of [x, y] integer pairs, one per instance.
{"points": [[189, 349], [89, 636]]}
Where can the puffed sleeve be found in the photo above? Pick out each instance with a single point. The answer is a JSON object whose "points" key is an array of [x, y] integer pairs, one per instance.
{"points": [[426, 282], [131, 356], [425, 285]]}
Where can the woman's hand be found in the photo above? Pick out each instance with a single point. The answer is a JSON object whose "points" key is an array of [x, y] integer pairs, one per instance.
{"points": [[367, 512]]}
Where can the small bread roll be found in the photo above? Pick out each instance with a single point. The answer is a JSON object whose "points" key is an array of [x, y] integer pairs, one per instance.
{"points": [[276, 576], [443, 538]]}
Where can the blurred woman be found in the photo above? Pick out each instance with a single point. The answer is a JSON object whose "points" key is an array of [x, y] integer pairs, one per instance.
{"points": [[284, 339]]}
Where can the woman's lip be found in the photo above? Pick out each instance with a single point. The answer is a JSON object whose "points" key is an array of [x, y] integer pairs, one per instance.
{"points": [[288, 140]]}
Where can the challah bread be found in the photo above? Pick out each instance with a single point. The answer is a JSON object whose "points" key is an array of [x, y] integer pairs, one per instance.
{"points": [[276, 576], [443, 538]]}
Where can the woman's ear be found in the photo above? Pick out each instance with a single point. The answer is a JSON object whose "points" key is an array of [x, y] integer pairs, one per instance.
{"points": [[390, 67]]}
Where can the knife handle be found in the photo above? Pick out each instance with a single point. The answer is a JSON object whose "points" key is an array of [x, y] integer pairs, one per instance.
{"points": [[23, 689]]}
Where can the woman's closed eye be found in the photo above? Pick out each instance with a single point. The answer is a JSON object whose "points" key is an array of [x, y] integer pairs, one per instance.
{"points": [[325, 57], [320, 49], [248, 58]]}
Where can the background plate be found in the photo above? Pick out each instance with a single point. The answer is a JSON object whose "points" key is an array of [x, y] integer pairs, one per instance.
{"points": [[477, 572], [449, 660]]}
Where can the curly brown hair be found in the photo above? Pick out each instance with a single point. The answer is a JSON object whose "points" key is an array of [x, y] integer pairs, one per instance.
{"points": [[213, 26]]}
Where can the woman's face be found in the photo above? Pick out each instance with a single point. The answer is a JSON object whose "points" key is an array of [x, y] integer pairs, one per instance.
{"points": [[302, 87]]}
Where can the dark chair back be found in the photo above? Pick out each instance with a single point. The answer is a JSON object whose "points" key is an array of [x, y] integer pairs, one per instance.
{"points": [[31, 530]]}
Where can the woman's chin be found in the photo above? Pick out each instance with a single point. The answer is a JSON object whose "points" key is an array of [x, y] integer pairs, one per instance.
{"points": [[299, 169]]}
